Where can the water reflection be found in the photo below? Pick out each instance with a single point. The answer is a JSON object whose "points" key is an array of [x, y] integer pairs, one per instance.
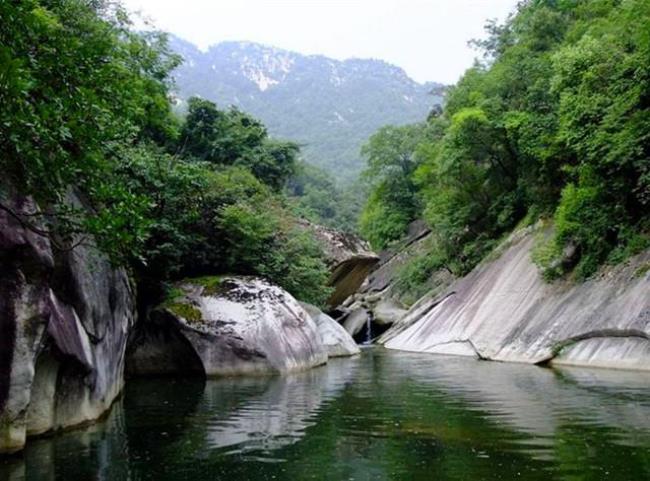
{"points": [[536, 400], [268, 413], [382, 416]]}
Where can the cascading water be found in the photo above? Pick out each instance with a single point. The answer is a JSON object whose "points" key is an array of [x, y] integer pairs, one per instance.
{"points": [[369, 329]]}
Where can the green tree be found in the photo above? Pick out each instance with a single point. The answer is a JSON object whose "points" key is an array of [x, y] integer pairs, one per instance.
{"points": [[553, 122], [233, 137], [393, 203], [75, 83]]}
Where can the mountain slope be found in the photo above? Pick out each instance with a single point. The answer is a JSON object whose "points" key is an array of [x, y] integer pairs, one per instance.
{"points": [[330, 107]]}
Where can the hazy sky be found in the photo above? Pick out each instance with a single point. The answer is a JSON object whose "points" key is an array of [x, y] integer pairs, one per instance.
{"points": [[427, 38]]}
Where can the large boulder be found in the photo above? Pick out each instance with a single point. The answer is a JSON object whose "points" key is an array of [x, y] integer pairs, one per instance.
{"points": [[348, 257], [336, 339], [65, 314], [387, 311], [228, 326], [503, 310], [356, 320]]}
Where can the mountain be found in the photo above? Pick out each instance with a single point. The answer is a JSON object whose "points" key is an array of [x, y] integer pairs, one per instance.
{"points": [[328, 106]]}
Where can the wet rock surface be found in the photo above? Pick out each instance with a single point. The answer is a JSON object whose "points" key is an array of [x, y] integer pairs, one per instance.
{"points": [[232, 326]]}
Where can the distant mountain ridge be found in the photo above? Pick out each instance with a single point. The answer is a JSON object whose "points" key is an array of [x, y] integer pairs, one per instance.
{"points": [[328, 106]]}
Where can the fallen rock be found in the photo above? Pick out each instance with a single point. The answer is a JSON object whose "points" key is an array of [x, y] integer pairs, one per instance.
{"points": [[383, 300], [228, 326], [65, 316], [356, 320], [387, 311], [336, 339]]}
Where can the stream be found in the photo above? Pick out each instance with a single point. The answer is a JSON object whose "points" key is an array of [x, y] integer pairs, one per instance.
{"points": [[384, 415]]}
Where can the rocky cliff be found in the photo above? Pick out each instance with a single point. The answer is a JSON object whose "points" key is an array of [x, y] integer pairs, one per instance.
{"points": [[503, 310], [64, 321]]}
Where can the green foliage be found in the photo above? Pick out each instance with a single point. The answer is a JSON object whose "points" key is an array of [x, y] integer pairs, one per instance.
{"points": [[210, 284], [383, 220], [642, 270], [413, 278], [74, 82], [187, 311], [547, 254], [235, 138], [316, 196], [85, 110], [555, 122], [216, 219], [262, 240], [393, 202], [221, 137]]}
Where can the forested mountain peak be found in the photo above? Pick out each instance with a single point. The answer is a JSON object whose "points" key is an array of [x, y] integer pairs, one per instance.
{"points": [[329, 106]]}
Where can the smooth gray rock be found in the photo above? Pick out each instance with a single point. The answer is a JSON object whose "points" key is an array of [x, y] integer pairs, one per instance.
{"points": [[504, 311], [64, 322], [234, 325], [356, 320], [387, 311], [336, 339], [391, 260]]}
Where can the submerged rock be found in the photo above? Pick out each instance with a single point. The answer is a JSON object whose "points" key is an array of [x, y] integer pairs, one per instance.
{"points": [[336, 339], [64, 322], [503, 310], [228, 326]]}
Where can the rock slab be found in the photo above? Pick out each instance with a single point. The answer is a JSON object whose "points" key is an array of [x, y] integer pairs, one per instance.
{"points": [[503, 310], [348, 257]]}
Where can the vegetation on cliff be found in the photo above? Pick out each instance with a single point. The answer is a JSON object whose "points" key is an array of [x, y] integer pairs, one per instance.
{"points": [[85, 106], [553, 122]]}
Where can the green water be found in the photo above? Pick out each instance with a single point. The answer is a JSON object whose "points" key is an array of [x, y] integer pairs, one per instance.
{"points": [[383, 415]]}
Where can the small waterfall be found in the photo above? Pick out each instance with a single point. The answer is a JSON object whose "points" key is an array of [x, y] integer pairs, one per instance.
{"points": [[369, 328]]}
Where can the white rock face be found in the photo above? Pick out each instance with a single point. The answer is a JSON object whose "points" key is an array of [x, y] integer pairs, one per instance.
{"points": [[237, 326], [336, 339], [504, 311]]}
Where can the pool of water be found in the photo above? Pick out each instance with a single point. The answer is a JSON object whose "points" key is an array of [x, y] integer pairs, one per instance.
{"points": [[384, 415]]}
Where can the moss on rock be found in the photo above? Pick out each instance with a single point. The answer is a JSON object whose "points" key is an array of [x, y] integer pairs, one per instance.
{"points": [[186, 311], [210, 284]]}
